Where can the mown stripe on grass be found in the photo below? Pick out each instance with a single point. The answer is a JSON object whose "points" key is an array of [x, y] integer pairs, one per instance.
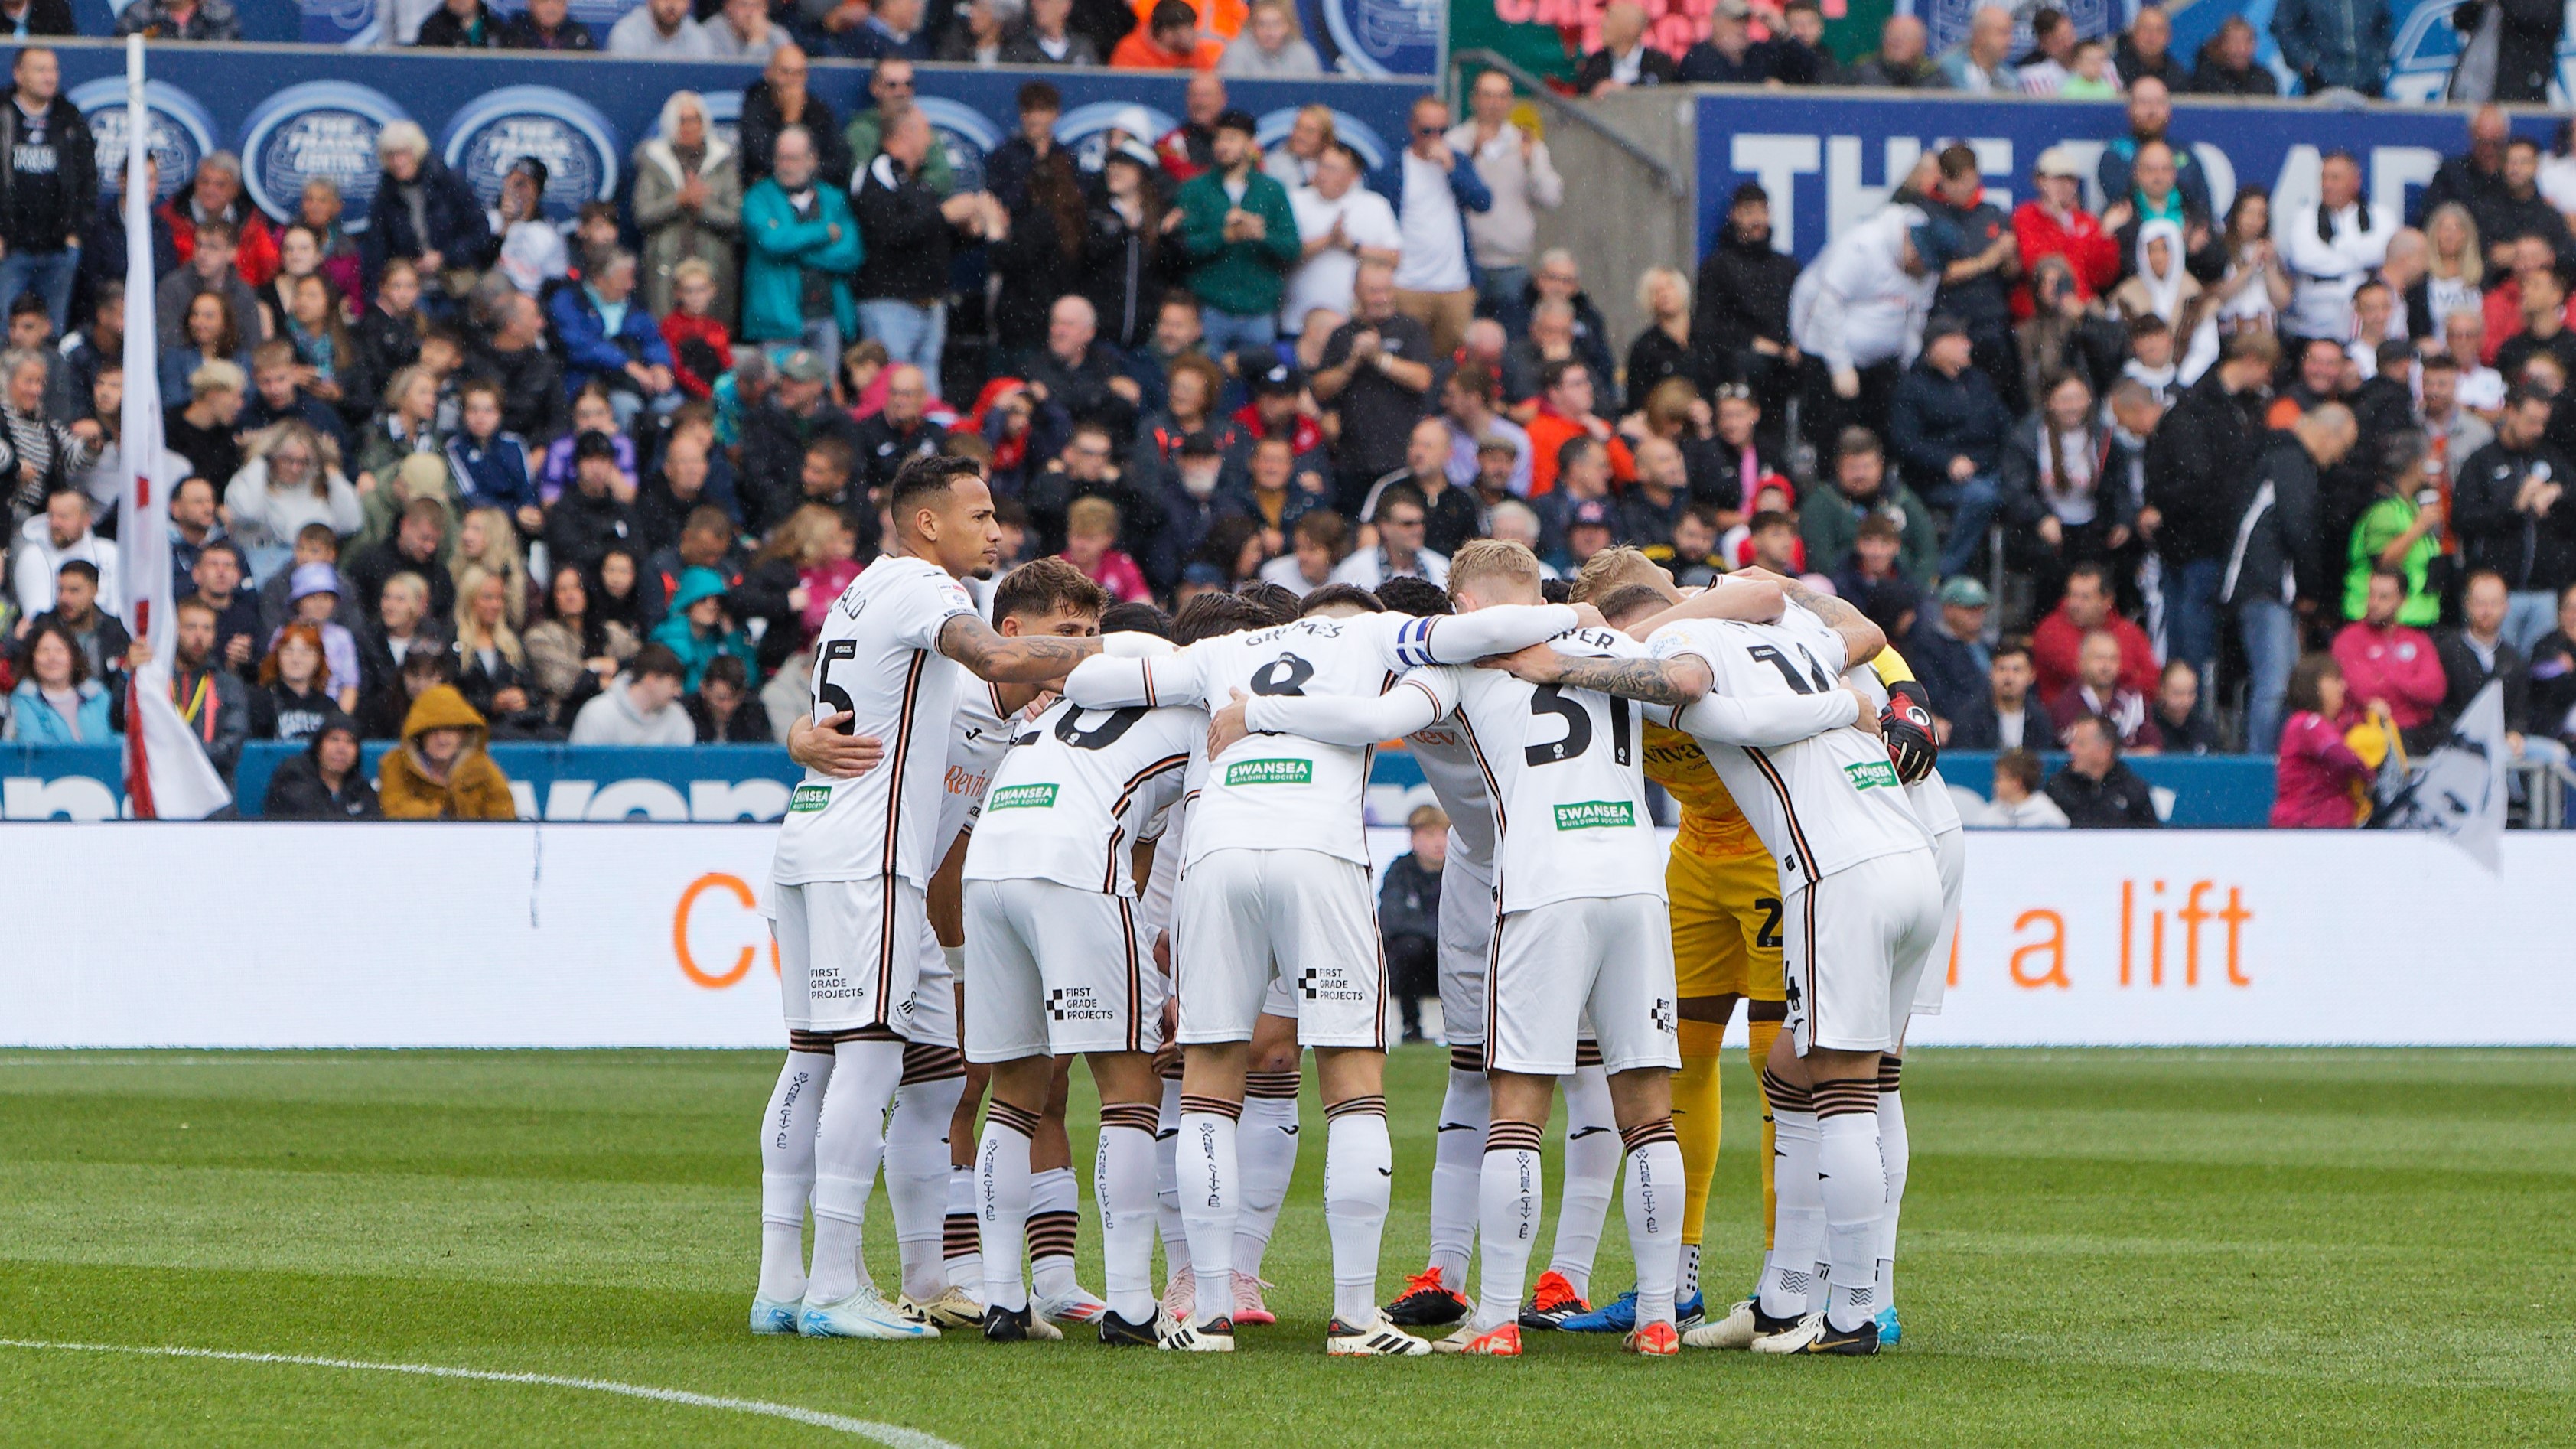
{"points": [[894, 1435]]}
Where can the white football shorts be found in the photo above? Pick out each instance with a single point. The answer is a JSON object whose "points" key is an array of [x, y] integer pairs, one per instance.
{"points": [[1855, 947], [849, 954], [1602, 963], [1056, 971], [1950, 851], [1307, 918]]}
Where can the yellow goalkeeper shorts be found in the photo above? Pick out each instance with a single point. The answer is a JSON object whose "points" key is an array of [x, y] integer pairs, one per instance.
{"points": [[1726, 924]]}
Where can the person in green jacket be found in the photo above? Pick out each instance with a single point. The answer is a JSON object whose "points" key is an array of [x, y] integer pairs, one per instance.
{"points": [[698, 629], [890, 85], [1241, 239], [804, 249], [2400, 532], [1829, 517]]}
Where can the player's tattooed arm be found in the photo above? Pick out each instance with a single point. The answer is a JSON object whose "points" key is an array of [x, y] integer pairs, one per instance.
{"points": [[828, 747], [1676, 682], [1861, 639], [1012, 659], [1746, 600]]}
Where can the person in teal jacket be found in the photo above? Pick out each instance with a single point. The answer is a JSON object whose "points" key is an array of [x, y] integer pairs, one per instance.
{"points": [[1240, 250], [698, 630], [58, 703], [801, 236]]}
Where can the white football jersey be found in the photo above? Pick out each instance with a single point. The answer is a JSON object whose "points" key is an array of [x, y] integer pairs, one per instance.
{"points": [[1564, 767], [1286, 792], [1076, 792], [877, 656], [1449, 767], [1825, 802], [1931, 794]]}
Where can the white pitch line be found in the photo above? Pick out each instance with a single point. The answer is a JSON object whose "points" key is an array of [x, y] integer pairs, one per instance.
{"points": [[894, 1435]]}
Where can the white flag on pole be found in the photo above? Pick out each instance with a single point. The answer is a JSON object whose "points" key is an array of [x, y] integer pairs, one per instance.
{"points": [[2458, 789], [167, 774]]}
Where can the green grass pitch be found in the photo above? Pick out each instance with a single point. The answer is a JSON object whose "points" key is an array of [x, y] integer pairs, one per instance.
{"points": [[2178, 1247]]}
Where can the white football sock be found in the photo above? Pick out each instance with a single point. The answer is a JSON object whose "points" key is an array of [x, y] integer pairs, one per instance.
{"points": [[1895, 1152], [916, 1175], [1002, 1200], [1798, 1235], [1509, 1197], [1055, 1219], [1167, 1186], [787, 1172], [848, 1141], [1265, 1143], [1457, 1171], [1122, 1184], [1209, 1190], [1592, 1154], [1855, 1193], [1359, 1171], [1654, 1204], [961, 1247]]}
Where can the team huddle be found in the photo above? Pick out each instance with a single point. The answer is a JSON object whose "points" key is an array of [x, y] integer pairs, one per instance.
{"points": [[1035, 826]]}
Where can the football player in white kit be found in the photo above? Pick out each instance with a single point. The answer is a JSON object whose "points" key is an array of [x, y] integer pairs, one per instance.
{"points": [[1060, 966], [854, 857], [1276, 880], [1862, 905]]}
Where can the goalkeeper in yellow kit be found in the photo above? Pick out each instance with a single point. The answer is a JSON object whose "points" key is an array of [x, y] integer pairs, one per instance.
{"points": [[1724, 889]]}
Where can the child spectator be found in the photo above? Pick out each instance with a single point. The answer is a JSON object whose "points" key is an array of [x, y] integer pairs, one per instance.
{"points": [[294, 695], [640, 708], [1408, 915], [492, 466], [442, 772], [724, 710], [698, 629], [701, 346], [1091, 544], [2018, 803]]}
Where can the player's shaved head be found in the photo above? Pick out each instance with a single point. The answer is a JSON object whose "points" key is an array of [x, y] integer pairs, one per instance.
{"points": [[1341, 601], [1493, 571], [1613, 569], [1211, 616], [1632, 601], [1043, 588]]}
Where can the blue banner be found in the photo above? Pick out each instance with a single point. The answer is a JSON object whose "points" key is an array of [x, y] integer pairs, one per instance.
{"points": [[294, 114], [1829, 159], [1377, 37]]}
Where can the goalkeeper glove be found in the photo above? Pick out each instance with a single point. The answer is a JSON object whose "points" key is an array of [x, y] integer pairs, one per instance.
{"points": [[1906, 724]]}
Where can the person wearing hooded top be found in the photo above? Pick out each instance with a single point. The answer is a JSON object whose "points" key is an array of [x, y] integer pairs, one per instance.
{"points": [[698, 629], [442, 772], [324, 782], [640, 707], [1857, 313], [2161, 286]]}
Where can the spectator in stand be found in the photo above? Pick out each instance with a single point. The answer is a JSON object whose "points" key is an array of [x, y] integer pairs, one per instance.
{"points": [[2087, 609], [659, 30], [2099, 693], [1797, 54], [1982, 63], [2018, 803], [1663, 350], [2186, 728], [291, 478], [1322, 541], [1377, 374], [2397, 531], [2553, 677], [2150, 121], [2065, 486], [639, 707], [610, 342], [1902, 62], [296, 689], [2477, 653], [1976, 285], [57, 702], [208, 272], [1947, 649], [324, 782], [1566, 410], [2508, 51], [2331, 45], [212, 701], [1830, 523], [49, 175], [590, 517], [423, 213], [2044, 71], [2513, 517], [217, 579], [2097, 790], [2055, 224], [1046, 38], [1652, 509], [1399, 554], [1740, 319], [441, 771], [74, 609], [1947, 428], [1340, 223], [180, 20], [2226, 66], [1040, 257], [1727, 55], [723, 710], [2146, 51], [1091, 530], [1520, 176], [1169, 40], [804, 243], [780, 99], [906, 231], [1868, 580], [30, 18], [413, 547], [688, 204], [1449, 514], [492, 662], [2209, 440], [701, 346], [2469, 178], [2276, 569], [1240, 235], [2319, 782], [2390, 667], [1624, 59], [460, 25], [403, 626], [899, 432], [545, 25], [743, 30], [1408, 915], [2331, 247], [700, 627], [1435, 285], [1269, 46]]}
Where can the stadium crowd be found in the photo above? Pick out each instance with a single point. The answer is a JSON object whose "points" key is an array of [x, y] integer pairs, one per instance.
{"points": [[2120, 482]]}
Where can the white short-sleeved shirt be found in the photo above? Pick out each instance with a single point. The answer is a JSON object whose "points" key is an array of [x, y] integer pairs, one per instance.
{"points": [[877, 656], [1435, 232], [1076, 792], [1326, 278], [1819, 805]]}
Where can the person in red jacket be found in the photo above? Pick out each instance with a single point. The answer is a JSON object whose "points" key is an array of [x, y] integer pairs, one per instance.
{"points": [[215, 193], [2386, 664], [2318, 781], [2055, 223], [2059, 639], [701, 345]]}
